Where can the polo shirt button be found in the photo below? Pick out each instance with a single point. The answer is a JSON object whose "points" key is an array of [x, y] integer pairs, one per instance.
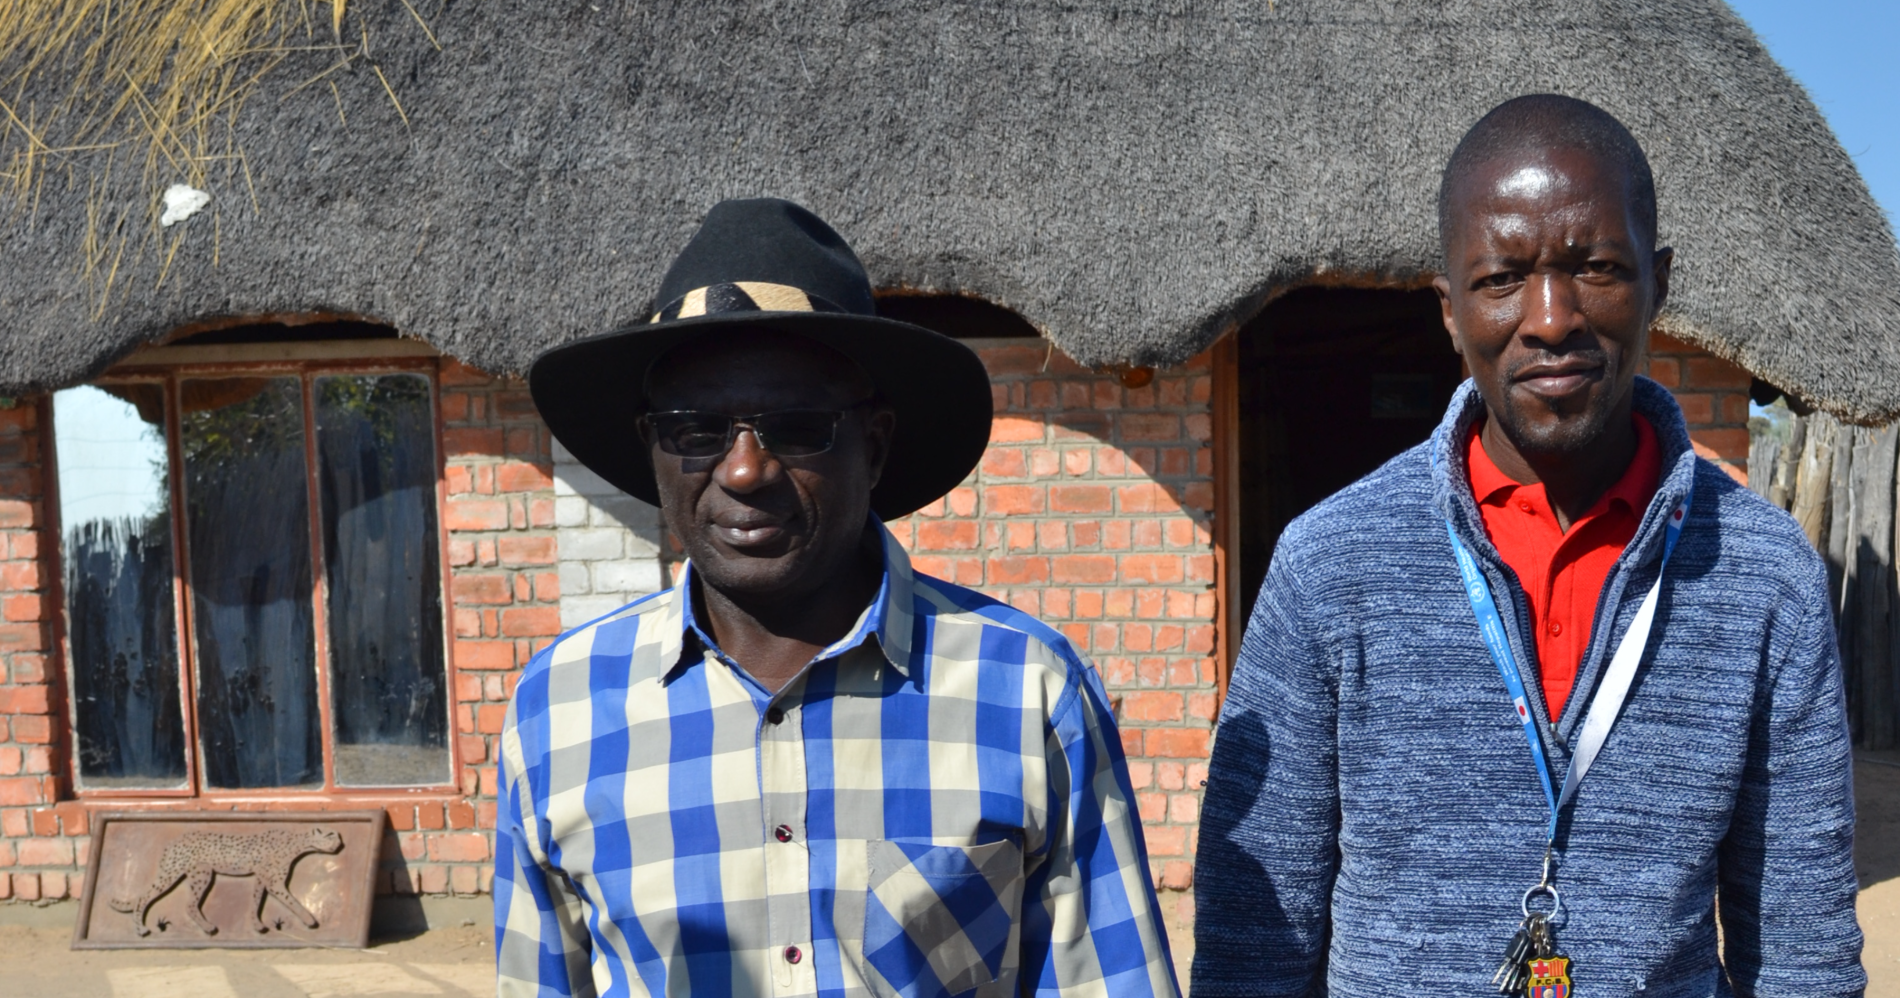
{"points": [[774, 716], [1524, 505], [1556, 628], [792, 955], [783, 832]]}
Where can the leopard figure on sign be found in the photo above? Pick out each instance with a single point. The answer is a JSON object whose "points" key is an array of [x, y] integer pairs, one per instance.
{"points": [[200, 857]]}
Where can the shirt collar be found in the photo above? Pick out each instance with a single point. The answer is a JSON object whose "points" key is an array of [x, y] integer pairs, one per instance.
{"points": [[887, 619], [1634, 488]]}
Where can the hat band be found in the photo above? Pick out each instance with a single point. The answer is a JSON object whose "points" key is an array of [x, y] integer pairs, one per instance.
{"points": [[743, 296]]}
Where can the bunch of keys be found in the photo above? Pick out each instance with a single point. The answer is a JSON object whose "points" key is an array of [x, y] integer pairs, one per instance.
{"points": [[1532, 966], [1531, 941]]}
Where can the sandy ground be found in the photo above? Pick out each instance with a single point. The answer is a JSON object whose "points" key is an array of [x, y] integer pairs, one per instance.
{"points": [[454, 958]]}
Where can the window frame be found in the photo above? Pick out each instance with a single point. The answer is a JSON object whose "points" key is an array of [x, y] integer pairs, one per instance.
{"points": [[168, 367]]}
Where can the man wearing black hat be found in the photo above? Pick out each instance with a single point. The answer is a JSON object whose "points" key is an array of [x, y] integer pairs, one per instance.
{"points": [[804, 770]]}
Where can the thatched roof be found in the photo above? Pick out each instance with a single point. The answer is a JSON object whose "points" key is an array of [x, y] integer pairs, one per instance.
{"points": [[1133, 178]]}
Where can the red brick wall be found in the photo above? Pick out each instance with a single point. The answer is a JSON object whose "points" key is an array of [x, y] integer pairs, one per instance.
{"points": [[1713, 394], [37, 835], [1093, 510]]}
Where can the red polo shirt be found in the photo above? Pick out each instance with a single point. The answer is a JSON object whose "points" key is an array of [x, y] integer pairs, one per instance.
{"points": [[1563, 573]]}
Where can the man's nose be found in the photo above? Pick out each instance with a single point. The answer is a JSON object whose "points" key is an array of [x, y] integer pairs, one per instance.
{"points": [[748, 466], [1551, 313]]}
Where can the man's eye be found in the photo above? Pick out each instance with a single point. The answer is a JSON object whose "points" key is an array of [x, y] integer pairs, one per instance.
{"points": [[1605, 268], [1503, 280]]}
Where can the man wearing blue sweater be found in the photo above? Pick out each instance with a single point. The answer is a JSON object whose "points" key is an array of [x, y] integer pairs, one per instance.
{"points": [[1543, 700]]}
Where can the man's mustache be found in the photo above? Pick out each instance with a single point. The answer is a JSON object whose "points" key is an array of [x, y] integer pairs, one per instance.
{"points": [[1583, 356]]}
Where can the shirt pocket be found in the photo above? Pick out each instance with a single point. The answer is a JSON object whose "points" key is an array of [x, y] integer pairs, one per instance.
{"points": [[941, 919]]}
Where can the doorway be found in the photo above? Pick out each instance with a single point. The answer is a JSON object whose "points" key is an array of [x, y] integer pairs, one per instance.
{"points": [[1329, 383]]}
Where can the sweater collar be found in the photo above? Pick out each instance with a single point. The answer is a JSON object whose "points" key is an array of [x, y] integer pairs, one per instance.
{"points": [[1451, 476]]}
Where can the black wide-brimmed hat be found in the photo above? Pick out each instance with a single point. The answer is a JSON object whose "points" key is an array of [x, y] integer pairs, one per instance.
{"points": [[770, 264]]}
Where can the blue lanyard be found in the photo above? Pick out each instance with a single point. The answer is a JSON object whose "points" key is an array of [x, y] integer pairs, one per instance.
{"points": [[1615, 687]]}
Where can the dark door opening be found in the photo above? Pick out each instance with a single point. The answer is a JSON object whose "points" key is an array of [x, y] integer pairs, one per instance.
{"points": [[1331, 383]]}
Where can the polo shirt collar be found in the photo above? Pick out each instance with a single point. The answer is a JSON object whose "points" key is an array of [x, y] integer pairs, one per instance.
{"points": [[1633, 488], [1452, 484], [887, 620]]}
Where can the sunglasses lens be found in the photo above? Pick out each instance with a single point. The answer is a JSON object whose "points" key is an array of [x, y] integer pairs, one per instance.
{"points": [[797, 433], [692, 434]]}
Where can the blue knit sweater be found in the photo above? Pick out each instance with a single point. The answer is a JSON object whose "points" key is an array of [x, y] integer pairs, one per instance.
{"points": [[1372, 818]]}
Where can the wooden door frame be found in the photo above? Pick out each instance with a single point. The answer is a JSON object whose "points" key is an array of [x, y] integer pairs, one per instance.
{"points": [[1230, 620]]}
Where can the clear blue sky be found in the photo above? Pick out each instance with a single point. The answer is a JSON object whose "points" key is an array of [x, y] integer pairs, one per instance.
{"points": [[1847, 54]]}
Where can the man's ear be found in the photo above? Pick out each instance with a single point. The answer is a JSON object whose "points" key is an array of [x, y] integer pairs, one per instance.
{"points": [[1442, 285], [1663, 262], [880, 427]]}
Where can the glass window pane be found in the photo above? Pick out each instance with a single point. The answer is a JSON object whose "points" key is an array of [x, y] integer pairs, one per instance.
{"points": [[248, 517], [116, 553], [376, 481]]}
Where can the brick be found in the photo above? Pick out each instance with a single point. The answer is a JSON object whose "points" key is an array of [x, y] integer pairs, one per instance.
{"points": [[465, 440], [1017, 571], [1152, 569], [45, 852], [458, 847], [517, 476], [464, 879], [1083, 569], [476, 514], [1006, 360], [481, 588], [1184, 809], [489, 718], [1150, 426], [15, 513], [947, 535], [26, 886], [21, 576], [1005, 463], [23, 700], [20, 637], [1010, 500], [517, 550], [1713, 372], [1081, 499], [45, 821], [1730, 443], [1177, 875], [1175, 743], [1166, 840], [1665, 371], [539, 621], [31, 729], [1080, 426], [484, 654], [1152, 706], [432, 880], [21, 608]]}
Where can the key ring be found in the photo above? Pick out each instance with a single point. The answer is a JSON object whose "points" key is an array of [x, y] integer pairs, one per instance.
{"points": [[1556, 900]]}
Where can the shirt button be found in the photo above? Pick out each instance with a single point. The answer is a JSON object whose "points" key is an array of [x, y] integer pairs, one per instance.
{"points": [[792, 955], [1524, 505], [784, 833], [774, 716], [1556, 628]]}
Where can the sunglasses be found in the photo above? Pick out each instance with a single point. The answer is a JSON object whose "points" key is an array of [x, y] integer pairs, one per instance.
{"points": [[786, 433]]}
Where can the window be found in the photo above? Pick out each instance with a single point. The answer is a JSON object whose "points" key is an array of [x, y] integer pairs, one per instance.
{"points": [[252, 578]]}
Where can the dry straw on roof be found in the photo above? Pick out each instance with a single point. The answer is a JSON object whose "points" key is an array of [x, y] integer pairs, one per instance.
{"points": [[1133, 178]]}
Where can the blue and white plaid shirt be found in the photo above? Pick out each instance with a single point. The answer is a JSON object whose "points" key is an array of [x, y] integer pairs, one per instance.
{"points": [[936, 805]]}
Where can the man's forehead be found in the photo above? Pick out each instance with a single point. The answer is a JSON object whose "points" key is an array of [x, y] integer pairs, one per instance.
{"points": [[1543, 172]]}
